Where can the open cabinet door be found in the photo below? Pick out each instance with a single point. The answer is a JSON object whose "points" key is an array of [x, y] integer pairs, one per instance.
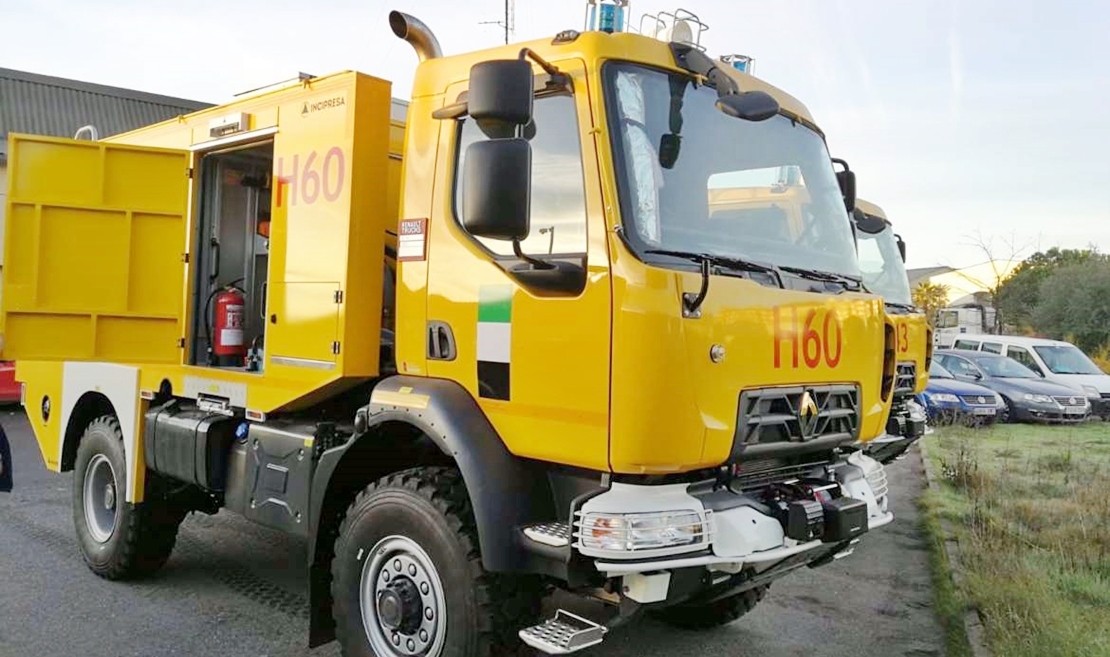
{"points": [[94, 245]]}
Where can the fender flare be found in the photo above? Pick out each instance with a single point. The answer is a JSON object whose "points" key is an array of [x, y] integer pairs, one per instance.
{"points": [[505, 491]]}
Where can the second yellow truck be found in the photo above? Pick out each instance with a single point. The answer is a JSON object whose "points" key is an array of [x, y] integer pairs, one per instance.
{"points": [[573, 376], [882, 261]]}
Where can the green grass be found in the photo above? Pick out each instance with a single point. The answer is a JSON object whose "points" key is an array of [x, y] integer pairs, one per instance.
{"points": [[1030, 506]]}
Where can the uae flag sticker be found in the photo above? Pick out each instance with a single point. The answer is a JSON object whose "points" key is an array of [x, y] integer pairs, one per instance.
{"points": [[495, 314]]}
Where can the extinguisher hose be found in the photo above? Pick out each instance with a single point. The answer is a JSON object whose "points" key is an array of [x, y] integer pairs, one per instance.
{"points": [[208, 328]]}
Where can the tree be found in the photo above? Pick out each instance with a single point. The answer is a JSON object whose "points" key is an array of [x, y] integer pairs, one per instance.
{"points": [[1075, 303], [1019, 294], [930, 297], [997, 255]]}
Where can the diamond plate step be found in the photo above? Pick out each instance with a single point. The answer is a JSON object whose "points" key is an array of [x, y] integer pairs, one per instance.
{"points": [[564, 634], [555, 534]]}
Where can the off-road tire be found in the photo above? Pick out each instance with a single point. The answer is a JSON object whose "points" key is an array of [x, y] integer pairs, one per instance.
{"points": [[431, 506], [144, 534], [714, 614]]}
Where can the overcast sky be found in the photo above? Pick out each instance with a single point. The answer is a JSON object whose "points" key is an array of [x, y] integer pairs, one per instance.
{"points": [[976, 116]]}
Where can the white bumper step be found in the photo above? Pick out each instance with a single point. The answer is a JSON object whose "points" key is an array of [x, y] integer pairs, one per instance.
{"points": [[564, 634]]}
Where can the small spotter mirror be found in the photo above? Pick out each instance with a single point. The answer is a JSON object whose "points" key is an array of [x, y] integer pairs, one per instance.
{"points": [[749, 105]]}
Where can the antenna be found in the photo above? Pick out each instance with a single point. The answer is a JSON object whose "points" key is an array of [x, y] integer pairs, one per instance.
{"points": [[509, 23]]}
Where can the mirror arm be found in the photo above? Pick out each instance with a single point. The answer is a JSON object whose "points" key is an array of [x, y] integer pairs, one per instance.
{"points": [[558, 78], [538, 264]]}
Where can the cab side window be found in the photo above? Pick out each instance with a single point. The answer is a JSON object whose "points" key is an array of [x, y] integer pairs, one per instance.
{"points": [[558, 200], [966, 344], [1024, 357], [992, 347]]}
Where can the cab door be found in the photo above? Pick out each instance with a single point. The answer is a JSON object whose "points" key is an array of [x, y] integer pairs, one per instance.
{"points": [[536, 360], [93, 252]]}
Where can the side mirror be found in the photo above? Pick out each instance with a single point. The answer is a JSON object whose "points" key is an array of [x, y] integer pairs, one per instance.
{"points": [[901, 247], [749, 105], [847, 181], [497, 180], [501, 92]]}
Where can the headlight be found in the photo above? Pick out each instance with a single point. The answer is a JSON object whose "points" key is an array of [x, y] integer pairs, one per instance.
{"points": [[1039, 399], [1092, 392], [998, 400], [945, 397], [635, 532]]}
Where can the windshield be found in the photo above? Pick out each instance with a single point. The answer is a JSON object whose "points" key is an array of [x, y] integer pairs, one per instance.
{"points": [[1004, 368], [937, 371], [881, 264], [1066, 359], [763, 191]]}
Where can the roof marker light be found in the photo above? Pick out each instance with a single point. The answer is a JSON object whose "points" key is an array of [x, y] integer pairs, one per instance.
{"points": [[741, 63]]}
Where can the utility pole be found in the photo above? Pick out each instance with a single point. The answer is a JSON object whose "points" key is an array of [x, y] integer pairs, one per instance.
{"points": [[509, 23]]}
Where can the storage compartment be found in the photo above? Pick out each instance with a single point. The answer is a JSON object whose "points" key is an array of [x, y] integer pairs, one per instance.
{"points": [[272, 476], [233, 241], [189, 444]]}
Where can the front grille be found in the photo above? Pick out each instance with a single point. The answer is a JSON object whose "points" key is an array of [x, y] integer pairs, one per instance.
{"points": [[1070, 401], [978, 400], [758, 473], [777, 421], [905, 379]]}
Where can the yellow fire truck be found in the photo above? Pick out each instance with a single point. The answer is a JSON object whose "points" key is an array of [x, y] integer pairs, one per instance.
{"points": [[564, 375], [882, 257]]}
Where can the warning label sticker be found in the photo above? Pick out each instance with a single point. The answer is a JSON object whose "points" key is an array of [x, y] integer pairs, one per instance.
{"points": [[412, 239]]}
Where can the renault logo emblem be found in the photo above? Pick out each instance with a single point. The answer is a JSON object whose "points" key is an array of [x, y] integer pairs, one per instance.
{"points": [[807, 415]]}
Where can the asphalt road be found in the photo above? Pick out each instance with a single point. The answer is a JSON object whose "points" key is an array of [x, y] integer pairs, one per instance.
{"points": [[234, 588]]}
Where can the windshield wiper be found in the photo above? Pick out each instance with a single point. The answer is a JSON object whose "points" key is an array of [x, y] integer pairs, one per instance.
{"points": [[909, 307], [825, 276], [691, 302]]}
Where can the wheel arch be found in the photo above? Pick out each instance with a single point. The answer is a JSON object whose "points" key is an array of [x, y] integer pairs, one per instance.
{"points": [[411, 422], [89, 406]]}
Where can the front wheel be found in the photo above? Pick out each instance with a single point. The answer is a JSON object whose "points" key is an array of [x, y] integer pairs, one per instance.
{"points": [[704, 616], [407, 577]]}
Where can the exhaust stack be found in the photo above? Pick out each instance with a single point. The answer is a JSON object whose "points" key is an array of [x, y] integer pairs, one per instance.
{"points": [[416, 33]]}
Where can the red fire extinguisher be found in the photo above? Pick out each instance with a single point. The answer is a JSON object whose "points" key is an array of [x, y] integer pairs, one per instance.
{"points": [[228, 345]]}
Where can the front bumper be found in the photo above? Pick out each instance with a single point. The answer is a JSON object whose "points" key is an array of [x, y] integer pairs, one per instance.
{"points": [[1041, 412], [741, 532]]}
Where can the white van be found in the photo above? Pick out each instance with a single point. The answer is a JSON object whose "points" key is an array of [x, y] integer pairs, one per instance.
{"points": [[1055, 360]]}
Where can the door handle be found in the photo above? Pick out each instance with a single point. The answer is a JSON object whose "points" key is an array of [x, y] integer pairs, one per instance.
{"points": [[441, 341]]}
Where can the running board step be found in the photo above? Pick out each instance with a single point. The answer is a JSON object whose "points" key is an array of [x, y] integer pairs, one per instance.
{"points": [[564, 634], [555, 534]]}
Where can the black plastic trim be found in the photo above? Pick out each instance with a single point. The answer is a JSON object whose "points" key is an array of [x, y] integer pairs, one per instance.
{"points": [[505, 491]]}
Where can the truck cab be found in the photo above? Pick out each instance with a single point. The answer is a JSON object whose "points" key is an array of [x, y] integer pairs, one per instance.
{"points": [[480, 344], [882, 256]]}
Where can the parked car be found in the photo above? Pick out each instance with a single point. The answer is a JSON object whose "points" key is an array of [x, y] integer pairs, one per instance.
{"points": [[1026, 396], [1055, 360], [948, 400]]}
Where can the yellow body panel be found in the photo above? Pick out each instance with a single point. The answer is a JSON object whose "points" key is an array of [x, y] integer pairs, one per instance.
{"points": [[94, 268], [43, 380], [328, 223]]}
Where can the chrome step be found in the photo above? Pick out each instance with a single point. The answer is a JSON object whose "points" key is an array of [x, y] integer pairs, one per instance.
{"points": [[555, 534], [564, 634]]}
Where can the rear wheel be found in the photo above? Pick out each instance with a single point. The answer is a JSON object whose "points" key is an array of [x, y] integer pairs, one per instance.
{"points": [[407, 577], [704, 616], [118, 540]]}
